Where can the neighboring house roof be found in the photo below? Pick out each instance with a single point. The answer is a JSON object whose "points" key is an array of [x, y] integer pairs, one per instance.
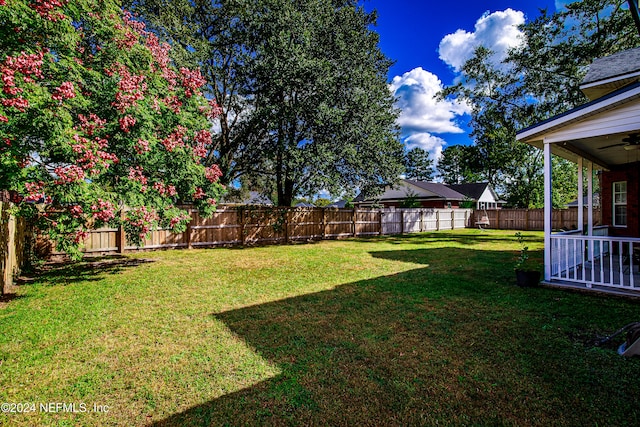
{"points": [[611, 72], [305, 205], [421, 189], [472, 190], [585, 201], [438, 189], [254, 198], [339, 204]]}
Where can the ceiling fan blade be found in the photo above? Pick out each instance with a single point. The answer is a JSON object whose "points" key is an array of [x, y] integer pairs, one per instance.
{"points": [[613, 145]]}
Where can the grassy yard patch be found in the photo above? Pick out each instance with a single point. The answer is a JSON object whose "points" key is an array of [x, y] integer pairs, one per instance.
{"points": [[415, 330]]}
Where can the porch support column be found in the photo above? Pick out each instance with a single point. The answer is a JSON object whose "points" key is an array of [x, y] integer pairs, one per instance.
{"points": [[590, 197], [580, 194], [547, 211]]}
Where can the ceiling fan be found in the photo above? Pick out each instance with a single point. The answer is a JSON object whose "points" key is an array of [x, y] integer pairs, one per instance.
{"points": [[631, 142]]}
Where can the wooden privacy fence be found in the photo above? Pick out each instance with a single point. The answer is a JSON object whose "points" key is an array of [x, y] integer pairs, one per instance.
{"points": [[249, 226], [13, 237], [533, 219]]}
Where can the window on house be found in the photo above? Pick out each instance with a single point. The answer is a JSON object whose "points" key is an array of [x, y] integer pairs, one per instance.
{"points": [[620, 204]]}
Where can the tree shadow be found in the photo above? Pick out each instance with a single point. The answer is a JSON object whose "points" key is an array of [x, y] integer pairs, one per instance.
{"points": [[421, 347], [89, 269], [465, 238]]}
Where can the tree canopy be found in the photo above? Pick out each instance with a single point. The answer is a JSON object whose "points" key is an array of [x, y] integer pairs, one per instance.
{"points": [[418, 165], [316, 113], [539, 79], [95, 118]]}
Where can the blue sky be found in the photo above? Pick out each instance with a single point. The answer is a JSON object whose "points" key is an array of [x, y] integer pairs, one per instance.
{"points": [[428, 40]]}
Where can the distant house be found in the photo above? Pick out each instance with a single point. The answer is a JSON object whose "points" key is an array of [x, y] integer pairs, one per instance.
{"points": [[585, 201], [480, 192], [254, 198], [433, 195], [341, 204]]}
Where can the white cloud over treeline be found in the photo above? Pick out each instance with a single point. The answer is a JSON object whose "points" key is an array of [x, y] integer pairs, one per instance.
{"points": [[497, 31], [422, 113], [424, 118]]}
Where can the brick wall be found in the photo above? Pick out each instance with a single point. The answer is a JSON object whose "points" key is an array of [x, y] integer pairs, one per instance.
{"points": [[631, 174]]}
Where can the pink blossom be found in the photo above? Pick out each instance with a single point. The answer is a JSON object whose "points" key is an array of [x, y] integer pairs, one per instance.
{"points": [[199, 193], [34, 190], [91, 124], [3, 119], [65, 91], [142, 219], [137, 174], [45, 9], [142, 146], [130, 90], [103, 210], [191, 81], [212, 201], [80, 236], [171, 190], [173, 103], [69, 174], [159, 187], [175, 139], [213, 173], [18, 103], [216, 110], [126, 123], [76, 211], [137, 26], [159, 51]]}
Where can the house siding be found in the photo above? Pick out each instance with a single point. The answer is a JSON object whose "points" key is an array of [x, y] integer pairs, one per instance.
{"points": [[631, 174]]}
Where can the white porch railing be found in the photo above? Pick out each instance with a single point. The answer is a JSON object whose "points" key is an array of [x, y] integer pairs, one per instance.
{"points": [[595, 260]]}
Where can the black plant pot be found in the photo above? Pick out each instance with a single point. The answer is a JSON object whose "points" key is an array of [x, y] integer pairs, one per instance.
{"points": [[527, 278]]}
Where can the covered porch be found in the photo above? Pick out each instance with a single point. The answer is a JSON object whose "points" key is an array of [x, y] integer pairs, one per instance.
{"points": [[603, 137]]}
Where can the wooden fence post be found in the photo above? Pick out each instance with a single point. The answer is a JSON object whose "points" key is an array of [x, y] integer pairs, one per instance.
{"points": [[380, 214], [353, 218], [453, 219], [286, 225], [437, 219], [526, 219], [240, 215], [421, 220], [188, 232], [498, 218], [324, 223], [121, 239], [401, 221]]}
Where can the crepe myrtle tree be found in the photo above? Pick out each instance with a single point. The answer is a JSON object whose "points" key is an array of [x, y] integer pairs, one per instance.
{"points": [[95, 120]]}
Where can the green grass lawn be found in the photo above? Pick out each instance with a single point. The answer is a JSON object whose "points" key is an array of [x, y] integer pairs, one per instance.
{"points": [[416, 330]]}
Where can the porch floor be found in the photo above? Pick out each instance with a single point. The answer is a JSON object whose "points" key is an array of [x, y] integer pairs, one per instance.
{"points": [[601, 277]]}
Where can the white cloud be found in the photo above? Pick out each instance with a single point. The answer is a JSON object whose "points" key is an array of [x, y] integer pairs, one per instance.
{"points": [[421, 111], [496, 31], [426, 141]]}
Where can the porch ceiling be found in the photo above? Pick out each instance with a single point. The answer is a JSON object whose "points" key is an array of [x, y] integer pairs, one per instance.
{"points": [[605, 151], [594, 131]]}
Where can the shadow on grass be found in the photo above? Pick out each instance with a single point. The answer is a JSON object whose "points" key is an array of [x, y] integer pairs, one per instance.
{"points": [[87, 270], [467, 238], [446, 343]]}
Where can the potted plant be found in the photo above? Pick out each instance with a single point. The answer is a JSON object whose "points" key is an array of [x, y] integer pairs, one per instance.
{"points": [[526, 274]]}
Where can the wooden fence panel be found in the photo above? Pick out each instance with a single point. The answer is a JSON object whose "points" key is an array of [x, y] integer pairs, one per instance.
{"points": [[533, 219], [304, 224], [13, 238], [367, 222], [339, 223]]}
